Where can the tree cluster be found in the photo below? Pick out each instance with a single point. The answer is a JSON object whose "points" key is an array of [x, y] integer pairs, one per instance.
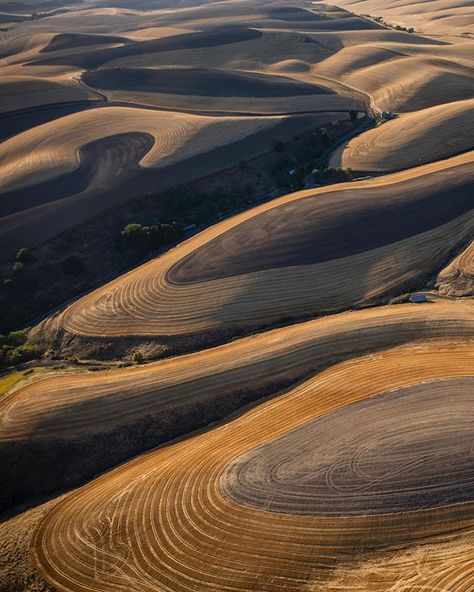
{"points": [[144, 239], [15, 350]]}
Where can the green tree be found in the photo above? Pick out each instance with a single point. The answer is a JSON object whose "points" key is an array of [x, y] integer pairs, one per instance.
{"points": [[143, 239], [24, 256], [138, 357]]}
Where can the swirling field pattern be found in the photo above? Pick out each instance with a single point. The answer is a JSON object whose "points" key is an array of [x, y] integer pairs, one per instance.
{"points": [[90, 422], [215, 512], [341, 246], [315, 434]]}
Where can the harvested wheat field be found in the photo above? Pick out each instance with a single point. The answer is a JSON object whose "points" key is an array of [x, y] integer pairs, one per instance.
{"points": [[241, 273], [433, 17], [201, 514], [215, 90], [236, 296], [457, 278], [62, 168], [442, 131], [81, 417]]}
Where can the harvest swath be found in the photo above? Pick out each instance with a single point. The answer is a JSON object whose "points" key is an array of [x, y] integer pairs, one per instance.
{"points": [[90, 422], [177, 510], [241, 273], [278, 394]]}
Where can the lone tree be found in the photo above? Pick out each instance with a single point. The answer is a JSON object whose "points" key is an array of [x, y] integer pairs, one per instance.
{"points": [[353, 115]]}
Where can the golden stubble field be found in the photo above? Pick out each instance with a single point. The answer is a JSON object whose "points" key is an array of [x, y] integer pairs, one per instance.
{"points": [[241, 273], [330, 449]]}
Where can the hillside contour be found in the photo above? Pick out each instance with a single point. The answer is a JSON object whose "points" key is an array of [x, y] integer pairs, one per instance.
{"points": [[342, 247], [283, 401]]}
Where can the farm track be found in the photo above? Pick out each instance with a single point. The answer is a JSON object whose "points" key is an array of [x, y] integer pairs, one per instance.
{"points": [[164, 522], [355, 470]]}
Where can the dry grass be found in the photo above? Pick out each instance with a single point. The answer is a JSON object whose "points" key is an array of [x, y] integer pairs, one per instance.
{"points": [[153, 300], [412, 139], [167, 510], [442, 17]]}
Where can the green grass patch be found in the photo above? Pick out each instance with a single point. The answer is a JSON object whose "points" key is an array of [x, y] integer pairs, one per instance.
{"points": [[7, 382]]}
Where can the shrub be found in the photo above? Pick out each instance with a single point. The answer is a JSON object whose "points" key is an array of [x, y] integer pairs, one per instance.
{"points": [[17, 355], [14, 338], [317, 176], [138, 357], [24, 256]]}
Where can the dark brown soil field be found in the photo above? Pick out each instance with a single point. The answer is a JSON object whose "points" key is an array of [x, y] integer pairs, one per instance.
{"points": [[200, 82], [330, 226], [15, 122], [405, 450], [65, 41], [186, 41]]}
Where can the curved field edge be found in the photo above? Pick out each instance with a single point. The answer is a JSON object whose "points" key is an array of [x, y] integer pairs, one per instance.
{"points": [[411, 139], [169, 503], [71, 427], [88, 326]]}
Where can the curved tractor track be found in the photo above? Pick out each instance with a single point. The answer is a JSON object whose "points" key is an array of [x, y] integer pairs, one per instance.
{"points": [[241, 273], [355, 470], [179, 518], [90, 422]]}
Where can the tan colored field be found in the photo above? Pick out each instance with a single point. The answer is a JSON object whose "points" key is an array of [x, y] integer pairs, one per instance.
{"points": [[440, 131], [169, 509], [18, 92], [347, 62], [213, 90], [400, 82], [242, 272], [93, 421], [264, 407], [457, 279], [441, 17], [52, 149], [68, 406], [66, 171]]}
